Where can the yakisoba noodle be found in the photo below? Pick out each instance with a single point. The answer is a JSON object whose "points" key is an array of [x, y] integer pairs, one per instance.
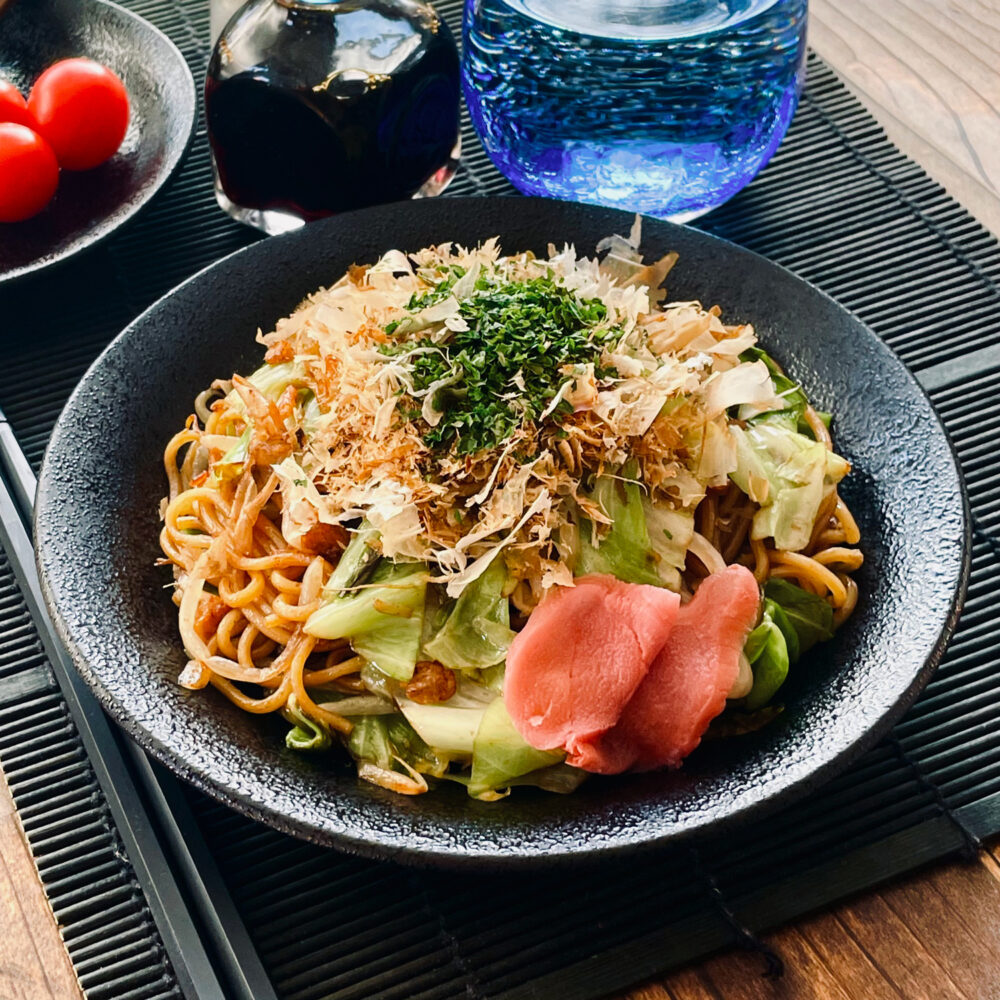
{"points": [[374, 419]]}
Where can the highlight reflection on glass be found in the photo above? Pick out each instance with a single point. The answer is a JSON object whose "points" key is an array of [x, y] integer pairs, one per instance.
{"points": [[667, 107]]}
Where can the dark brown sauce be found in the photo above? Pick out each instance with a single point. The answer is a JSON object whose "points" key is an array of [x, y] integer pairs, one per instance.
{"points": [[318, 112]]}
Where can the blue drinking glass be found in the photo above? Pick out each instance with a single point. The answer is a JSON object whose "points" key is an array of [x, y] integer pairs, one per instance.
{"points": [[667, 107]]}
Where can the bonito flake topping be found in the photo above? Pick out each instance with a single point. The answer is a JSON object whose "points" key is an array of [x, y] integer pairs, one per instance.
{"points": [[462, 401]]}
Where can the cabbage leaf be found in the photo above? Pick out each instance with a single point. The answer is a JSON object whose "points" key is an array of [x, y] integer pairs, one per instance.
{"points": [[476, 632], [670, 534], [382, 621], [359, 556], [450, 725], [500, 753], [271, 380], [305, 734], [767, 650], [809, 617], [381, 739], [231, 465], [794, 399], [792, 622], [787, 474], [625, 551]]}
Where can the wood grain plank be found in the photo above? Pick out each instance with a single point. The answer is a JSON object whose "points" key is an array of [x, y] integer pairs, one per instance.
{"points": [[653, 991], [34, 964], [968, 957], [929, 73], [896, 951], [935, 934], [738, 975], [991, 860], [973, 894], [846, 960], [688, 984]]}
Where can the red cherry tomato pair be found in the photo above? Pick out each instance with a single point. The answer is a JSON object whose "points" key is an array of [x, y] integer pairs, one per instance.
{"points": [[75, 118]]}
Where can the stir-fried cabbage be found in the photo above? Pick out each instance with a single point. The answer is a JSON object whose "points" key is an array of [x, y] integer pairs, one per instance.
{"points": [[792, 622], [500, 753], [624, 549], [787, 474], [383, 620], [476, 630]]}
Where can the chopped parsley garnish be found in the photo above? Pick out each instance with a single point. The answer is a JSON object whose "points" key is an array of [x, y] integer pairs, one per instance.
{"points": [[519, 333], [438, 293]]}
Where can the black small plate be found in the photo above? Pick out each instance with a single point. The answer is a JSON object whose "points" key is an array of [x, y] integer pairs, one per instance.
{"points": [[90, 204], [96, 531]]}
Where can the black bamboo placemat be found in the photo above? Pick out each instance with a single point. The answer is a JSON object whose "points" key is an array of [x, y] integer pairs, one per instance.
{"points": [[840, 206]]}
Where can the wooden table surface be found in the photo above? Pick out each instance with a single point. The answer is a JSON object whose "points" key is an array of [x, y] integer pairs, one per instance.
{"points": [[929, 70]]}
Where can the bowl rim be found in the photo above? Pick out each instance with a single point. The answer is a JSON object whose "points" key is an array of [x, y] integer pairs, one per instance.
{"points": [[485, 858]]}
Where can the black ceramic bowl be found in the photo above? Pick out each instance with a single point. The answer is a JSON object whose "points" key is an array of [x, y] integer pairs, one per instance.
{"points": [[97, 526], [90, 204]]}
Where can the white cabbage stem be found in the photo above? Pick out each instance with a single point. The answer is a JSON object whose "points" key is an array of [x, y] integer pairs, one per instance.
{"points": [[707, 554], [744, 679]]}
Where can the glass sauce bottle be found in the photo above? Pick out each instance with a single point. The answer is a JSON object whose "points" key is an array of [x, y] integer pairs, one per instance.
{"points": [[321, 106]]}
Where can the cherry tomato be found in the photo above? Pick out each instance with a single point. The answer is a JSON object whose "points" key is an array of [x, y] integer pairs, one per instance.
{"points": [[13, 106], [29, 172], [82, 110]]}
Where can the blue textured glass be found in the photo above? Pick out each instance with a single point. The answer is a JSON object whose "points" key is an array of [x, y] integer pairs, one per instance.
{"points": [[667, 107]]}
